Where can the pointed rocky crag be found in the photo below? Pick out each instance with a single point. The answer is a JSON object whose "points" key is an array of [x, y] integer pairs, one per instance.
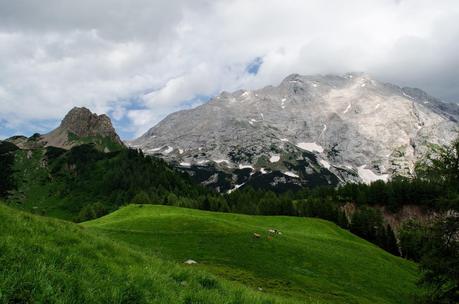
{"points": [[81, 126]]}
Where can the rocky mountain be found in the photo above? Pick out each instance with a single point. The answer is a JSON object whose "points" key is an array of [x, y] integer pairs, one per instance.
{"points": [[308, 130], [79, 126]]}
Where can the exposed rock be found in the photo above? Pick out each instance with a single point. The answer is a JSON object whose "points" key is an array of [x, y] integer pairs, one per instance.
{"points": [[81, 123], [324, 129]]}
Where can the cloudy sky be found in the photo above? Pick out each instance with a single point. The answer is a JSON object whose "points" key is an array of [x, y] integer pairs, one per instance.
{"points": [[139, 60]]}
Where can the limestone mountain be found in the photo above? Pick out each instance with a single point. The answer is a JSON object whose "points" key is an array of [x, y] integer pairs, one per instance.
{"points": [[308, 130], [80, 125]]}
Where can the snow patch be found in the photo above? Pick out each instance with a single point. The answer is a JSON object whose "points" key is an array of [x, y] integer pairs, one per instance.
{"points": [[219, 161], [184, 164], [315, 85], [324, 163], [154, 149], [245, 94], [246, 167], [369, 176], [347, 109], [291, 174], [274, 158], [168, 150], [377, 106], [202, 162], [310, 147], [235, 188], [180, 151], [363, 84], [284, 139], [263, 171]]}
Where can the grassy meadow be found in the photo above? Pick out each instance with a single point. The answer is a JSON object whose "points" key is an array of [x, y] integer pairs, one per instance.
{"points": [[311, 261]]}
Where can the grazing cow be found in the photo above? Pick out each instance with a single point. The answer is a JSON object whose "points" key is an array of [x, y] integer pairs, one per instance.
{"points": [[256, 235], [272, 231]]}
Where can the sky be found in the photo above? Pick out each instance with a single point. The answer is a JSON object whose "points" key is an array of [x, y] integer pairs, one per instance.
{"points": [[139, 60]]}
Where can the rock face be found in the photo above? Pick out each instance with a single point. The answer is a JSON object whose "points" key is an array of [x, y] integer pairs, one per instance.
{"points": [[81, 124], [309, 130]]}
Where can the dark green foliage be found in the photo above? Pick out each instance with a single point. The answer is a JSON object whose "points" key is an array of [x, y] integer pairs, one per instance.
{"points": [[412, 237], [141, 197], [34, 137], [395, 194], [368, 224], [440, 262], [6, 147], [83, 175], [54, 152], [441, 164], [6, 167], [91, 211], [391, 241]]}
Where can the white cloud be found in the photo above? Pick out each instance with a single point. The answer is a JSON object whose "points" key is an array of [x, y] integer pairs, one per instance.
{"points": [[103, 54]]}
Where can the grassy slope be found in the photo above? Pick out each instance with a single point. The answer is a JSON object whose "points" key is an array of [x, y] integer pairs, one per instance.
{"points": [[33, 192], [313, 260], [51, 261]]}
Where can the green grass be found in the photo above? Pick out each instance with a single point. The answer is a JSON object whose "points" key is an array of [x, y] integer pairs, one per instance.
{"points": [[34, 186], [313, 261], [101, 142], [46, 260]]}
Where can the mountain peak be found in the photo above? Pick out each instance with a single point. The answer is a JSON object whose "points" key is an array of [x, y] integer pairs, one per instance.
{"points": [[83, 123], [80, 123], [316, 129]]}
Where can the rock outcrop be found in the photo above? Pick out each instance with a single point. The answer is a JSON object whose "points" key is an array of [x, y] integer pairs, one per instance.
{"points": [[81, 125]]}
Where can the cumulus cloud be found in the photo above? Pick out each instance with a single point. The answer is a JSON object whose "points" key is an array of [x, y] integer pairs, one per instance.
{"points": [[140, 60]]}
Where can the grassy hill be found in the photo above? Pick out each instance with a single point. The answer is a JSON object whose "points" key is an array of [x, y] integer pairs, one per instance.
{"points": [[46, 260], [312, 261]]}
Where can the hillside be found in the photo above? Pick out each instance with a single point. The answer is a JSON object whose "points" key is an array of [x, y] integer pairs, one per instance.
{"points": [[311, 260], [84, 182], [51, 261]]}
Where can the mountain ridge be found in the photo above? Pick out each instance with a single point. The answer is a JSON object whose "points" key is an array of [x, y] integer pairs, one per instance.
{"points": [[351, 127]]}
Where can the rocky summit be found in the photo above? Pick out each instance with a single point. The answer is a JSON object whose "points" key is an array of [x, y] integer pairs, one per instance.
{"points": [[81, 125], [308, 130]]}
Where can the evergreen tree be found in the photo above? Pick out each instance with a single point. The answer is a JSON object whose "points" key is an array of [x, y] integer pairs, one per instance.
{"points": [[440, 262], [141, 198], [391, 241]]}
